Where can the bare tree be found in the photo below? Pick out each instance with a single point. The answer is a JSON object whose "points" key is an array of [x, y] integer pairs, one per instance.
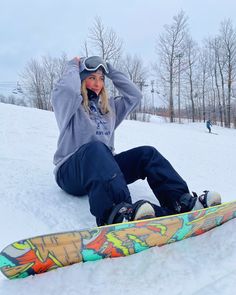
{"points": [[85, 49], [228, 39], [217, 66], [191, 51], [136, 71], [221, 62], [161, 86], [203, 69], [38, 79], [104, 41], [32, 78], [133, 66], [170, 45], [60, 64]]}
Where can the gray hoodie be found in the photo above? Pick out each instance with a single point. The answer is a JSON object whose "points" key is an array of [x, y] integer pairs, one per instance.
{"points": [[78, 127]]}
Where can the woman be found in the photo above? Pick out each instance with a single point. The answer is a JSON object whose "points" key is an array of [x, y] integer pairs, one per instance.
{"points": [[85, 160]]}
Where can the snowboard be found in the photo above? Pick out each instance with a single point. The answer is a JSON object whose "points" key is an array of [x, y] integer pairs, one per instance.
{"points": [[51, 251]]}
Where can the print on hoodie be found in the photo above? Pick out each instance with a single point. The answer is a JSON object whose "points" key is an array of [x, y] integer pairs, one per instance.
{"points": [[97, 116]]}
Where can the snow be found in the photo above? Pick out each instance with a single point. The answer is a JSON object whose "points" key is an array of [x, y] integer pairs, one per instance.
{"points": [[32, 204]]}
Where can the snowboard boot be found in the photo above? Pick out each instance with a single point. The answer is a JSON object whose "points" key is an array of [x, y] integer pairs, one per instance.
{"points": [[121, 213], [207, 199], [125, 212], [143, 210], [193, 202]]}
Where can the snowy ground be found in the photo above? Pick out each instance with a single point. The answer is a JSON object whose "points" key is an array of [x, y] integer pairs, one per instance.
{"points": [[32, 204]]}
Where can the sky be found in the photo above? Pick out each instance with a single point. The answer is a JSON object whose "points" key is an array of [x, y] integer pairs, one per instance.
{"points": [[31, 29]]}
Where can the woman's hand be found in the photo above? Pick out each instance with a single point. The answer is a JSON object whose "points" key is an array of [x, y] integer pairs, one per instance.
{"points": [[77, 58]]}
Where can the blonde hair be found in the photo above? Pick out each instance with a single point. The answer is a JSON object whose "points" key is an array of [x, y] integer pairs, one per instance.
{"points": [[105, 108]]}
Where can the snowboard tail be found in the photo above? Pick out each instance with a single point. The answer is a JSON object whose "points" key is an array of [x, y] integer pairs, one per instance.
{"points": [[47, 252]]}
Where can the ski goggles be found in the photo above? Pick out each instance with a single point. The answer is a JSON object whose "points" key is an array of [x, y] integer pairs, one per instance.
{"points": [[92, 63]]}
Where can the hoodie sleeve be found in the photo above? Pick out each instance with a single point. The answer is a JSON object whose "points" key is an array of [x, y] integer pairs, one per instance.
{"points": [[130, 94], [66, 95]]}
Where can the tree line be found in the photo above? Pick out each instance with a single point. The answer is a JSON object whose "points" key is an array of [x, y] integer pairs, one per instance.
{"points": [[187, 80], [198, 80]]}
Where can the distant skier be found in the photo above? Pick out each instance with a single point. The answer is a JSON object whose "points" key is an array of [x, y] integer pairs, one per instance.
{"points": [[209, 125]]}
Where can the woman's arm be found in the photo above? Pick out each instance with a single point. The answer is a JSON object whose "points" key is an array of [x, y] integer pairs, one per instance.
{"points": [[130, 94], [66, 96]]}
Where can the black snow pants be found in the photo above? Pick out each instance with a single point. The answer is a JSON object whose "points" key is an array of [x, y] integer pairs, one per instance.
{"points": [[95, 171]]}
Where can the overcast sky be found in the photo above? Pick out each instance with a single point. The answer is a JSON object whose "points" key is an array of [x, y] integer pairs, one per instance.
{"points": [[30, 29]]}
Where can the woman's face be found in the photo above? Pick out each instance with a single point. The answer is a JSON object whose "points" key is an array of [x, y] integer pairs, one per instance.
{"points": [[95, 81]]}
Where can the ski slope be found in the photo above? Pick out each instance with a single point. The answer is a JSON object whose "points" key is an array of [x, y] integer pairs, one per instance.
{"points": [[32, 204]]}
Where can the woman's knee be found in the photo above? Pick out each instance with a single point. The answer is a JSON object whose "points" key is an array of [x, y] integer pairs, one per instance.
{"points": [[149, 151]]}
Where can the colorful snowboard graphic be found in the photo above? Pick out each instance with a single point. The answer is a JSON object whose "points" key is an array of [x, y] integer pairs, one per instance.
{"points": [[43, 253]]}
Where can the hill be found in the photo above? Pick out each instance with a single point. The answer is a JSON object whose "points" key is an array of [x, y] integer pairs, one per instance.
{"points": [[32, 204]]}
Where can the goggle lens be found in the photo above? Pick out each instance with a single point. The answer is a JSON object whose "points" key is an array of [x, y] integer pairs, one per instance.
{"points": [[94, 62]]}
